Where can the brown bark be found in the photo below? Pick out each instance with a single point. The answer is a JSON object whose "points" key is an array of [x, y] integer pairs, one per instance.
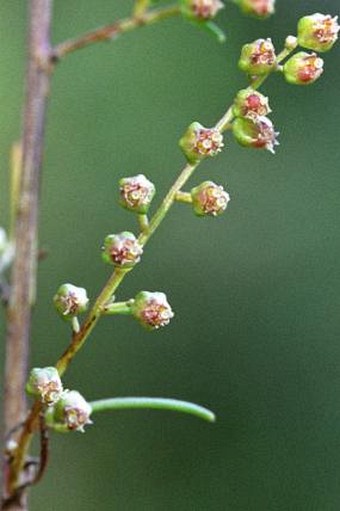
{"points": [[23, 278]]}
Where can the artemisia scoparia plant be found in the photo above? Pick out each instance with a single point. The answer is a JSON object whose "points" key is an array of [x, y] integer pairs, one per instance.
{"points": [[62, 410]]}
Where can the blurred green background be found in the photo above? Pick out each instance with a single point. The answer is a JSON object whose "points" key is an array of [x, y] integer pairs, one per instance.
{"points": [[256, 292]]}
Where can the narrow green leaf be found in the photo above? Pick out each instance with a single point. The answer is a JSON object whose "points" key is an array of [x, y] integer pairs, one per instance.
{"points": [[155, 403], [214, 30]]}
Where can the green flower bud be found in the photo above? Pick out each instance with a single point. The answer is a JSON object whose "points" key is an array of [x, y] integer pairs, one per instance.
{"points": [[259, 8], [199, 142], [71, 413], [258, 57], [136, 193], [250, 103], [70, 300], [303, 68], [258, 133], [152, 310], [208, 198], [201, 10], [46, 384], [318, 32], [122, 249]]}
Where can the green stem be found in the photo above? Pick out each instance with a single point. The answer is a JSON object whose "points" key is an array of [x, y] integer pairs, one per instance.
{"points": [[79, 338], [143, 222], [154, 403], [183, 197], [118, 308], [167, 202]]}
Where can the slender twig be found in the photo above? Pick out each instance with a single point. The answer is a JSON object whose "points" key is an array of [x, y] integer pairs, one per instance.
{"points": [[24, 267], [44, 450], [79, 339], [109, 32]]}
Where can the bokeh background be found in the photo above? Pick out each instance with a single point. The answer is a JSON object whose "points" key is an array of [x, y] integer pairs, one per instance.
{"points": [[256, 291]]}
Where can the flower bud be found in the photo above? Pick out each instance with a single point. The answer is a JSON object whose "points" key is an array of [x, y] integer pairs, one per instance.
{"points": [[250, 103], [258, 133], [303, 68], [70, 300], [46, 384], [318, 32], [259, 8], [291, 42], [258, 57], [71, 413], [201, 10], [136, 193], [199, 142], [208, 198], [152, 309], [122, 249]]}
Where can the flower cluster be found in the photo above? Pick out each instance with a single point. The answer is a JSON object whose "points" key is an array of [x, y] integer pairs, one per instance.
{"points": [[66, 410], [251, 127]]}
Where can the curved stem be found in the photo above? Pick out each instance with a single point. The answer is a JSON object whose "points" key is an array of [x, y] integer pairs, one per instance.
{"points": [[154, 403]]}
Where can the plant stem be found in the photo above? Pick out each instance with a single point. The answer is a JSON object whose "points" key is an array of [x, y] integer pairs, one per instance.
{"points": [[92, 319], [118, 308], [111, 31], [24, 267], [168, 201], [79, 339], [154, 403]]}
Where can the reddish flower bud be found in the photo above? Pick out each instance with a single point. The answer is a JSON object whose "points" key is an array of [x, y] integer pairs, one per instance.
{"points": [[46, 384], [303, 68], [71, 413], [250, 103], [199, 142], [122, 249], [208, 198], [136, 193], [152, 309], [258, 57], [70, 300], [318, 32], [201, 10], [259, 8], [258, 133]]}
